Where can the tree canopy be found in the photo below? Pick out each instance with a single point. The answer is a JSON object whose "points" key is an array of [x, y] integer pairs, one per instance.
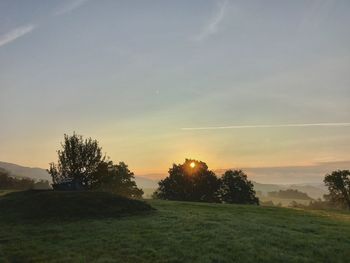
{"points": [[289, 194], [190, 181], [236, 188], [82, 166], [193, 181], [7, 181], [78, 160], [338, 183], [116, 178]]}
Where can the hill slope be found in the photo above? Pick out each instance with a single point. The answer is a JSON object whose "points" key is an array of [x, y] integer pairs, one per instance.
{"points": [[60, 205], [39, 173], [22, 171], [185, 232], [149, 185]]}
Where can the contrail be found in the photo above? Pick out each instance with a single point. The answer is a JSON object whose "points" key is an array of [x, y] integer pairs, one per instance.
{"points": [[15, 33], [327, 124]]}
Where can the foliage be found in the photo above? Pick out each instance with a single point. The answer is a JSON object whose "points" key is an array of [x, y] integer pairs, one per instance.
{"points": [[81, 166], [9, 182], [116, 178], [183, 232], [236, 188], [289, 194], [338, 183], [190, 181], [78, 160], [314, 205], [52, 205], [193, 181]]}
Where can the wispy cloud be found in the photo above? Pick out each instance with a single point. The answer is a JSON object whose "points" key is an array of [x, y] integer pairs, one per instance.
{"points": [[329, 124], [15, 33], [213, 25], [69, 7]]}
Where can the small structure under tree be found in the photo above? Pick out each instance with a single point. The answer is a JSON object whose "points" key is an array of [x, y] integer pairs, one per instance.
{"points": [[82, 166]]}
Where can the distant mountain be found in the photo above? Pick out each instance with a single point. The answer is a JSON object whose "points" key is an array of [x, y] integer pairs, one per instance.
{"points": [[292, 175], [39, 173], [314, 191], [297, 176], [22, 171], [144, 182]]}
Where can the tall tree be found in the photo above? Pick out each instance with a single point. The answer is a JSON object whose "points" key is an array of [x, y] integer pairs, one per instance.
{"points": [[78, 160], [236, 188], [338, 183], [116, 178], [190, 181]]}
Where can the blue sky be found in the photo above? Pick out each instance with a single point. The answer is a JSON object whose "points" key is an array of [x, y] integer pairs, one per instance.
{"points": [[132, 74]]}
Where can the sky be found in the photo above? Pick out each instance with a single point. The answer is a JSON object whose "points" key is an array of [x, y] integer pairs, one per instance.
{"points": [[232, 83]]}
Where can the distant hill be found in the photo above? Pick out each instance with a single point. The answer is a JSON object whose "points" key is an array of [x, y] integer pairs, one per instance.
{"points": [[39, 173], [314, 190], [22, 171], [144, 182], [292, 175]]}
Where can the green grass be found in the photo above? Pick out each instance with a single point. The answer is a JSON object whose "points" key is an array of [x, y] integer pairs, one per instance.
{"points": [[48, 205], [284, 201], [4, 192], [184, 232]]}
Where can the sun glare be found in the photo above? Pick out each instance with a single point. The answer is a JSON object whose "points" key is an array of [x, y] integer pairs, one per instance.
{"points": [[192, 164]]}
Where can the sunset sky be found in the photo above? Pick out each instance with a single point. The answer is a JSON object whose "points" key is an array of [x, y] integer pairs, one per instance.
{"points": [[232, 83]]}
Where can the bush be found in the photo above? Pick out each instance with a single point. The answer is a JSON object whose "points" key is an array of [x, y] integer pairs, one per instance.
{"points": [[190, 181], [193, 181], [235, 188]]}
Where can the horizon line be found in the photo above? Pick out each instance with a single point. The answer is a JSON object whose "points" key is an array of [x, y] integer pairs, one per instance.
{"points": [[293, 125]]}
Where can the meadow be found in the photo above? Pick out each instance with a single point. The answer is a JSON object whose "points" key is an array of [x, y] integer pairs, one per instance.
{"points": [[181, 232]]}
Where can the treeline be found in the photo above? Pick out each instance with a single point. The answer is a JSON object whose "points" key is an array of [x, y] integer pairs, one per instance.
{"points": [[9, 182], [193, 181], [82, 166], [289, 194]]}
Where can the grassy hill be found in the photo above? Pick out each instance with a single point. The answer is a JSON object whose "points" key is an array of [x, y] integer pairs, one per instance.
{"points": [[48, 205], [180, 232]]}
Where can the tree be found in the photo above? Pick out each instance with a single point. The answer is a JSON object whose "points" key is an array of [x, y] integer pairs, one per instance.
{"points": [[236, 188], [190, 181], [338, 183], [82, 166], [78, 160], [289, 194], [9, 182], [116, 178]]}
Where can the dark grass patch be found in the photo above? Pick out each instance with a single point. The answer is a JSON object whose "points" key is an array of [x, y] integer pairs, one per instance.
{"points": [[63, 205], [185, 232]]}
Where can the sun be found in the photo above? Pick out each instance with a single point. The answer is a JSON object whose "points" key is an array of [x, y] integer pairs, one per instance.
{"points": [[193, 164]]}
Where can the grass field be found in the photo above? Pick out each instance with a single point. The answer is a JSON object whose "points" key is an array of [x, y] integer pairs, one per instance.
{"points": [[283, 201], [183, 232]]}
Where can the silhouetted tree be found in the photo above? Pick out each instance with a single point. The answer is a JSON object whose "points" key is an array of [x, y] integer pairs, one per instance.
{"points": [[78, 160], [236, 188], [289, 194], [9, 182], [190, 181], [338, 183], [81, 165], [116, 178]]}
